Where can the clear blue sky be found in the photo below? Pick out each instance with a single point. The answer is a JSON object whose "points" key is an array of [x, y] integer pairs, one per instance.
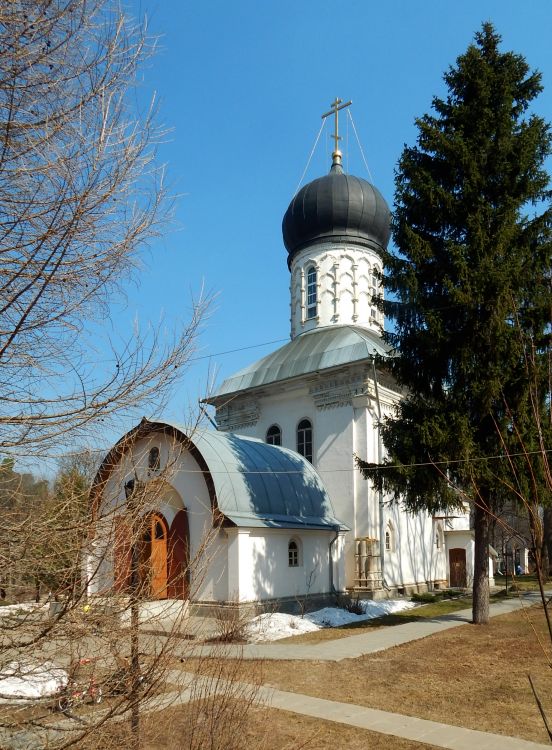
{"points": [[242, 85]]}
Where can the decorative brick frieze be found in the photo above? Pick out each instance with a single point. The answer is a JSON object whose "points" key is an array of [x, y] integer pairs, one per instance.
{"points": [[238, 414]]}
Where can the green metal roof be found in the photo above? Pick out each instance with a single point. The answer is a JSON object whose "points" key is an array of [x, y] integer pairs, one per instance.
{"points": [[312, 351], [259, 485]]}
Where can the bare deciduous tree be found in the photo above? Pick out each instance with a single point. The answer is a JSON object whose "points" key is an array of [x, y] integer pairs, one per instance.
{"points": [[80, 194]]}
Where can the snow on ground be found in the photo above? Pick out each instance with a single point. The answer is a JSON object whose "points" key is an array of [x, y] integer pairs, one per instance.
{"points": [[20, 609], [24, 681], [271, 627]]}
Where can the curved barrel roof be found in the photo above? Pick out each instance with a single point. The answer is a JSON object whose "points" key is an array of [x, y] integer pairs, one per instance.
{"points": [[257, 484], [251, 483]]}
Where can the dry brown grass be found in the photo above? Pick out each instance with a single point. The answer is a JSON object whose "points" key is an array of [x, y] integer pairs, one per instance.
{"points": [[277, 730], [472, 676]]}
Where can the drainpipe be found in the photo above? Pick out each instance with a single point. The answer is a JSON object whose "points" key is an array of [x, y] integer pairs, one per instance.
{"points": [[332, 542], [380, 498]]}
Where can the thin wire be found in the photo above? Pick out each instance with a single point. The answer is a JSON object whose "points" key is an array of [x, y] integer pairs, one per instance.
{"points": [[360, 146], [310, 157], [321, 470], [457, 460], [347, 147], [240, 349]]}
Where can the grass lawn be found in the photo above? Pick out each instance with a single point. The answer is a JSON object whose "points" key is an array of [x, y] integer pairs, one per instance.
{"points": [[277, 730], [471, 676], [519, 583]]}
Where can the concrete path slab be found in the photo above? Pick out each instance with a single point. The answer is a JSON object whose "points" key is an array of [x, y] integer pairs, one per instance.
{"points": [[356, 645], [384, 722], [398, 725]]}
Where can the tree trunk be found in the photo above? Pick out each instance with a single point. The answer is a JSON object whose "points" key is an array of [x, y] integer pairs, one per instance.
{"points": [[547, 543], [481, 566]]}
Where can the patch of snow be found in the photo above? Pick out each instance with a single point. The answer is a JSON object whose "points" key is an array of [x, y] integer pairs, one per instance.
{"points": [[26, 681], [7, 610], [271, 627], [275, 625]]}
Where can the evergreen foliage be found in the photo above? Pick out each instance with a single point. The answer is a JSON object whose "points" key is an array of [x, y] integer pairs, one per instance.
{"points": [[472, 288]]}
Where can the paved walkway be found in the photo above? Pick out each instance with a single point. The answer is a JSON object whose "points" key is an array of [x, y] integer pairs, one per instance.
{"points": [[355, 645], [411, 728], [384, 722]]}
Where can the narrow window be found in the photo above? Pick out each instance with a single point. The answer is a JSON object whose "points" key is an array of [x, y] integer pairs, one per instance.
{"points": [[274, 435], [311, 293], [293, 554], [304, 439], [389, 539], [154, 461], [374, 289]]}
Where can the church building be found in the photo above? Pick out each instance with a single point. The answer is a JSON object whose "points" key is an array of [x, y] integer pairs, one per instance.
{"points": [[275, 490]]}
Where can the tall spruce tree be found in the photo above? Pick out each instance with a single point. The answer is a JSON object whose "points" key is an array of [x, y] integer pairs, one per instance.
{"points": [[472, 287]]}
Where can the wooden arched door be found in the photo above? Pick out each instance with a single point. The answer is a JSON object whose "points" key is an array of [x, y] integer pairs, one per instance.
{"points": [[457, 566], [154, 556]]}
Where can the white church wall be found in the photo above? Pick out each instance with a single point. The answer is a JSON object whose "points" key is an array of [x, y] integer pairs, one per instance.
{"points": [[259, 569], [339, 432], [345, 287], [414, 559]]}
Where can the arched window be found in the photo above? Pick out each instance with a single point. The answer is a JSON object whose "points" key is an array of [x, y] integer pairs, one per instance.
{"points": [[312, 278], [304, 439], [154, 460], [274, 435], [389, 539], [439, 536], [293, 553]]}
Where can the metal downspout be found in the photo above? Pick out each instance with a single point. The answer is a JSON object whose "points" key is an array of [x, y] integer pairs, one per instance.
{"points": [[332, 542], [380, 494]]}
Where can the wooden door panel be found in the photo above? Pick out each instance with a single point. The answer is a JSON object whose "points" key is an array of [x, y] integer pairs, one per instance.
{"points": [[158, 559], [457, 566]]}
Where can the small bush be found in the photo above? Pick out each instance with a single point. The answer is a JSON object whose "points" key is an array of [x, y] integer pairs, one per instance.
{"points": [[425, 598], [351, 604], [231, 624], [450, 594]]}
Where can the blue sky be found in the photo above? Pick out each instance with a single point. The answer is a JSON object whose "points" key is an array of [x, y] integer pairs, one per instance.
{"points": [[242, 86]]}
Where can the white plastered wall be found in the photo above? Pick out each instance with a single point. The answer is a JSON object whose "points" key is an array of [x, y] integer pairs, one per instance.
{"points": [[414, 558], [258, 563], [345, 287], [339, 433]]}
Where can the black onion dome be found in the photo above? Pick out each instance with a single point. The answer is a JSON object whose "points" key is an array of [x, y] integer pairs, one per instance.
{"points": [[339, 207]]}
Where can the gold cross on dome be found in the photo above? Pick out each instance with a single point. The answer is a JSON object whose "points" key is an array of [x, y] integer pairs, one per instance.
{"points": [[335, 107]]}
